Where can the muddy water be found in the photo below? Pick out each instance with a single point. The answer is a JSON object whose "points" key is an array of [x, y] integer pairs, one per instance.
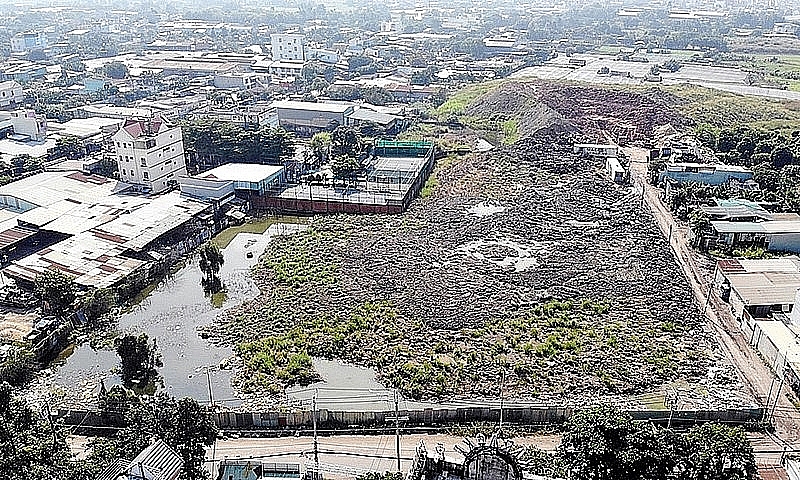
{"points": [[171, 314]]}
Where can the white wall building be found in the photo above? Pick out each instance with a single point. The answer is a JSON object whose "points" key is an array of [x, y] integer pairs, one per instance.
{"points": [[27, 41], [27, 124], [11, 94], [150, 154], [288, 46]]}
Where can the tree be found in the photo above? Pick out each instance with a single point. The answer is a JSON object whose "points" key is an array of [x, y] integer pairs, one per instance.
{"points": [[746, 147], [56, 291], [183, 424], [29, 446], [211, 260], [115, 70], [139, 359], [318, 148], [726, 141], [718, 452], [782, 156], [69, 146], [344, 166], [99, 302], [603, 443], [346, 141]]}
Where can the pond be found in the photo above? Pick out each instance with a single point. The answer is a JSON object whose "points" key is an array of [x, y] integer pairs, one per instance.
{"points": [[171, 314]]}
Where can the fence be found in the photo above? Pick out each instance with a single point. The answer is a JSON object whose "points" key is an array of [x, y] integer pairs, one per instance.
{"points": [[429, 417]]}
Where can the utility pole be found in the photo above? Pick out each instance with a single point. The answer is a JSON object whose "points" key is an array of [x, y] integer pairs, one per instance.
{"points": [[397, 427], [52, 426], [210, 392], [314, 421], [708, 297], [778, 393], [669, 238], [502, 388]]}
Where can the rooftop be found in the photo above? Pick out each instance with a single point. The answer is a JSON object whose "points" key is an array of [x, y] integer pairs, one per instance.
{"points": [[766, 288], [312, 106], [242, 172]]}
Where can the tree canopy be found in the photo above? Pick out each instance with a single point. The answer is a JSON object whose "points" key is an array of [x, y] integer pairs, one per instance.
{"points": [[56, 291], [210, 144]]}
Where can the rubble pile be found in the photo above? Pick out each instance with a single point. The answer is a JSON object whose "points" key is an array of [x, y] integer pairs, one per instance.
{"points": [[467, 290]]}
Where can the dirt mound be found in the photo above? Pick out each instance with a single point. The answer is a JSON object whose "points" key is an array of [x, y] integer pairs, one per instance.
{"points": [[579, 108]]}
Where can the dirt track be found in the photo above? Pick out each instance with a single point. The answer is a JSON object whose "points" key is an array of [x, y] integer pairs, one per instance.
{"points": [[756, 375]]}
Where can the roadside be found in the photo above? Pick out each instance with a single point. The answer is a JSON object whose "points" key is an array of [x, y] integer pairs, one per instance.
{"points": [[755, 374]]}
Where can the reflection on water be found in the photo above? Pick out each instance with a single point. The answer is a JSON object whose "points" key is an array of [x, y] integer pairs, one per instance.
{"points": [[171, 314]]}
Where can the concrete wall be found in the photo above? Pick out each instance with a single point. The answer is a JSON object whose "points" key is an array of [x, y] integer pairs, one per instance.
{"points": [[429, 417]]}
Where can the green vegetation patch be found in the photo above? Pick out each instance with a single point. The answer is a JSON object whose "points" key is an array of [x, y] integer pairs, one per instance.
{"points": [[722, 109], [285, 359], [457, 104], [295, 267], [257, 226], [373, 334]]}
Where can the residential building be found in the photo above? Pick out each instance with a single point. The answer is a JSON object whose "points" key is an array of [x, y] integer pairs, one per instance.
{"points": [[156, 462], [390, 124], [27, 41], [239, 81], [255, 470], [779, 347], [705, 173], [288, 46], [11, 94], [309, 117], [781, 234], [150, 154]]}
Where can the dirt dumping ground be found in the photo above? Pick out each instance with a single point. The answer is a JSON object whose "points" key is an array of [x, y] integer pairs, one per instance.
{"points": [[578, 108], [525, 260]]}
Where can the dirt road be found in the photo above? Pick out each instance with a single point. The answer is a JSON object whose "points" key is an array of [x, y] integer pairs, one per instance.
{"points": [[755, 374]]}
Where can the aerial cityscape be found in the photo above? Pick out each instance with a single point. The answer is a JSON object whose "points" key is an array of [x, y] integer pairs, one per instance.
{"points": [[396, 240]]}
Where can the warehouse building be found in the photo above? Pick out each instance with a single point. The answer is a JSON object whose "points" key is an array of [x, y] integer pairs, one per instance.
{"points": [[758, 288], [308, 118]]}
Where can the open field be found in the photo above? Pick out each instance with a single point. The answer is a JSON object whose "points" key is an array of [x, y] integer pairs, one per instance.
{"points": [[522, 263]]}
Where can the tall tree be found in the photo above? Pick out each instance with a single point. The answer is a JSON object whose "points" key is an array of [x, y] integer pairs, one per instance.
{"points": [[139, 358], [718, 452], [56, 291], [183, 424]]}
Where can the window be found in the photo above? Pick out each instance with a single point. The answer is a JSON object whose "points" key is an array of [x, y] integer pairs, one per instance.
{"points": [[144, 163], [120, 158], [118, 145], [123, 172], [145, 176]]}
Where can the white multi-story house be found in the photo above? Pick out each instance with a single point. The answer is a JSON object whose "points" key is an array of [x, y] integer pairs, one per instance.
{"points": [[150, 154], [288, 47], [27, 41], [11, 94]]}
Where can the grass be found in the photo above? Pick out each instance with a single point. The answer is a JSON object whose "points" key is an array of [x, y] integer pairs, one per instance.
{"points": [[457, 104], [258, 226], [296, 268], [510, 131], [285, 359], [726, 110]]}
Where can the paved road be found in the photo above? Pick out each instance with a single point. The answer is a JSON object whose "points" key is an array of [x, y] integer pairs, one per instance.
{"points": [[357, 453], [756, 375]]}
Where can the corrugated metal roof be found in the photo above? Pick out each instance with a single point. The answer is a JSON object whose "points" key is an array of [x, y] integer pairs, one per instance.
{"points": [[766, 288], [243, 172], [159, 456]]}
